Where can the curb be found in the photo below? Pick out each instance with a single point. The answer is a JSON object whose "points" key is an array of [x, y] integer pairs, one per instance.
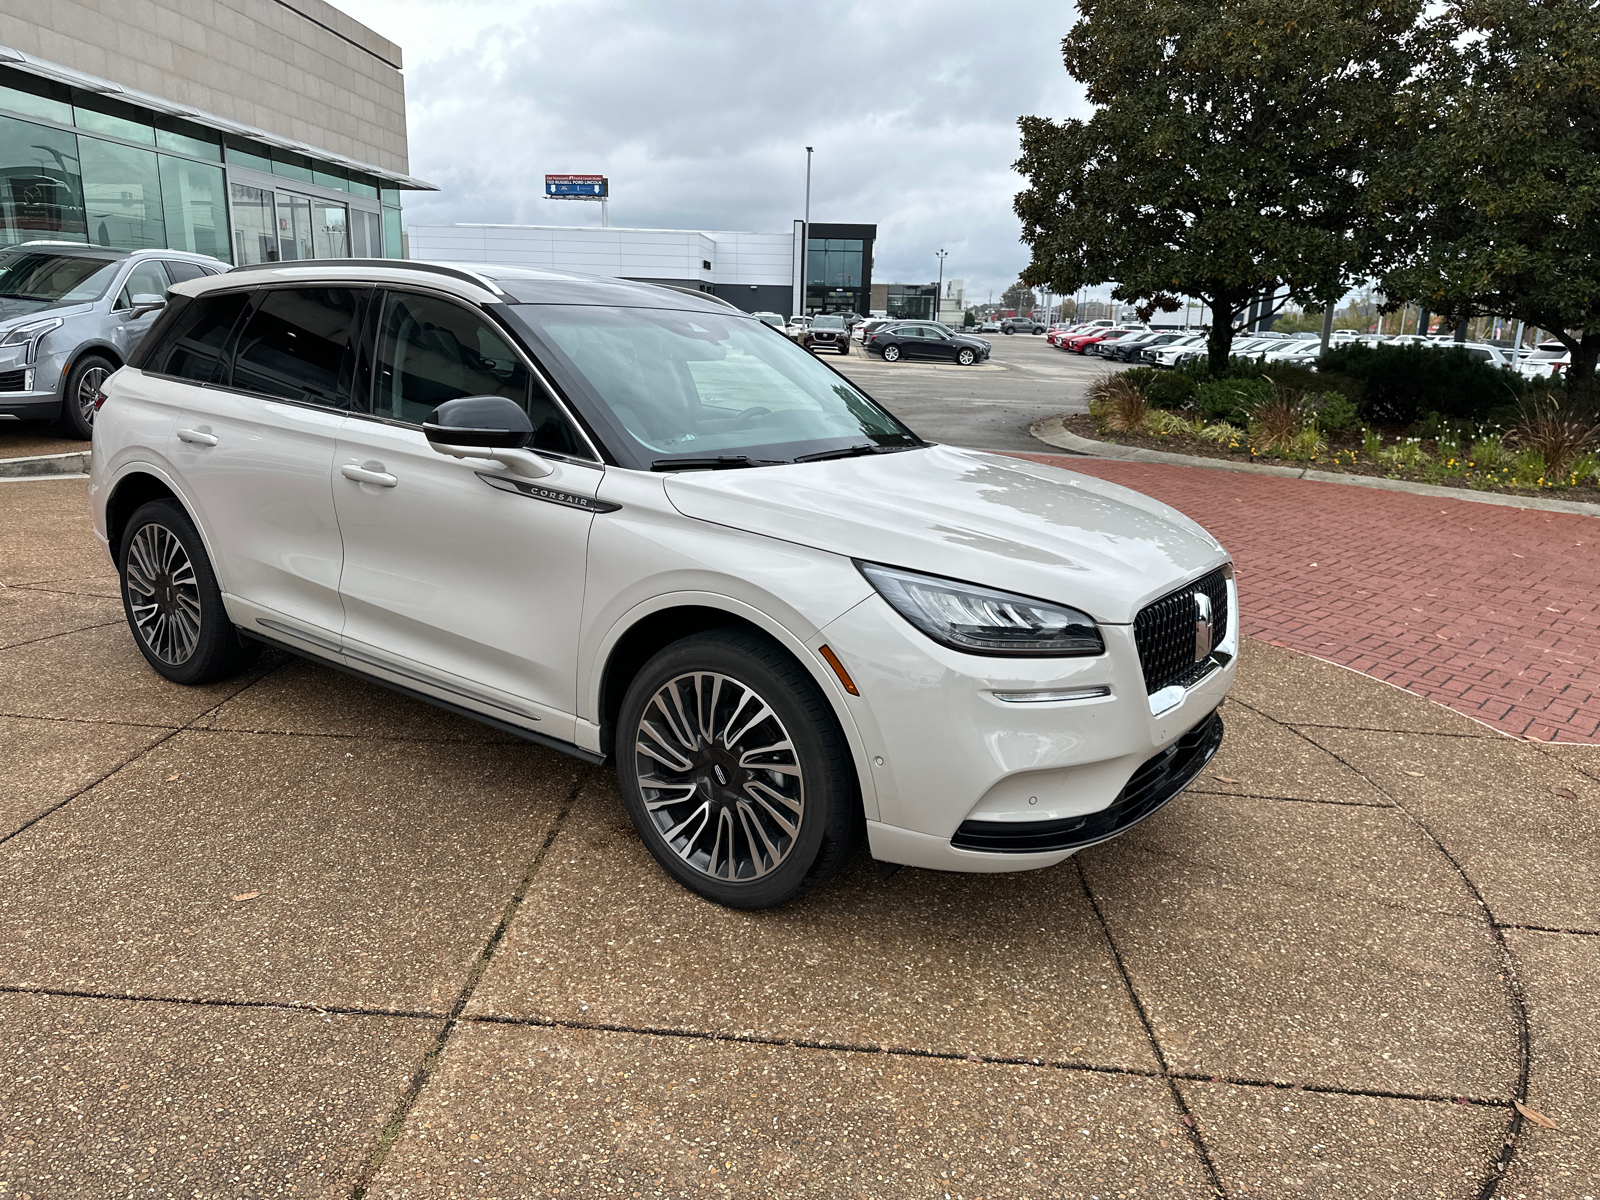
{"points": [[1051, 432], [42, 466]]}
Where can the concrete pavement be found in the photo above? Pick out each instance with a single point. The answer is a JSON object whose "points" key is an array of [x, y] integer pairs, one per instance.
{"points": [[294, 934]]}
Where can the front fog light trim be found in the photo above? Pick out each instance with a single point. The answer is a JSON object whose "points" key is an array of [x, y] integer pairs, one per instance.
{"points": [[1055, 696]]}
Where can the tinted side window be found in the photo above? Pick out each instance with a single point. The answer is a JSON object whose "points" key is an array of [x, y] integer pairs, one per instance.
{"points": [[431, 350], [146, 279], [192, 346], [294, 345], [181, 271]]}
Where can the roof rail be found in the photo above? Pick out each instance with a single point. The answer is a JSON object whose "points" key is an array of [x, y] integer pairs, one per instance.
{"points": [[673, 287], [462, 273]]}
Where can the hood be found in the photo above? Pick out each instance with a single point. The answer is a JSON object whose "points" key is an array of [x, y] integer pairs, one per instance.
{"points": [[18, 312], [982, 518]]}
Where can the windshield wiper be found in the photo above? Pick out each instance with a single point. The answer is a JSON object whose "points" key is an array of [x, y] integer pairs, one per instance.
{"points": [[719, 462], [850, 452]]}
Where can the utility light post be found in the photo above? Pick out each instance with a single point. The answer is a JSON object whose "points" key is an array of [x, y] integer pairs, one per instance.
{"points": [[805, 239], [938, 292]]}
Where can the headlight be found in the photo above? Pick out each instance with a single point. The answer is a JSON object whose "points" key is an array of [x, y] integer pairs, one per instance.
{"points": [[980, 620], [29, 334]]}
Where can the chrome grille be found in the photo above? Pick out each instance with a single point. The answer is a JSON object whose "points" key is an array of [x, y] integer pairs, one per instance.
{"points": [[1164, 632]]}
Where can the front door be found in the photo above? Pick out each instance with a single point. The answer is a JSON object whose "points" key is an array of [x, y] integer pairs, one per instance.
{"points": [[255, 450], [147, 278], [460, 578]]}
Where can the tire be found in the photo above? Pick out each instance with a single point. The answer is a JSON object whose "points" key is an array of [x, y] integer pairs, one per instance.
{"points": [[740, 836], [1008, 332], [891, 354], [77, 401], [966, 357], [171, 599], [844, 347]]}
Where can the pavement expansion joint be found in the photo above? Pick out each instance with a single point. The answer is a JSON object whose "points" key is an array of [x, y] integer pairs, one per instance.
{"points": [[419, 1079], [1204, 791], [1508, 972], [62, 633], [1549, 929], [1185, 1117], [1327, 1089], [93, 783], [341, 1010]]}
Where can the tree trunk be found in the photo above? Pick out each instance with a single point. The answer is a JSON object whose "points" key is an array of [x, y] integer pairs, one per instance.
{"points": [[1585, 352], [1219, 341]]}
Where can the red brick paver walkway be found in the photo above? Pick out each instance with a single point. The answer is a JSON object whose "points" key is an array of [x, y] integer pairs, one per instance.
{"points": [[1492, 611]]}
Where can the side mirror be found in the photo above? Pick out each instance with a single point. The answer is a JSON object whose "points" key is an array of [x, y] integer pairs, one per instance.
{"points": [[487, 427], [146, 302]]}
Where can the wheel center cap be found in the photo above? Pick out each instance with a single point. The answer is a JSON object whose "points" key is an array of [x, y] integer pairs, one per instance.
{"points": [[722, 776]]}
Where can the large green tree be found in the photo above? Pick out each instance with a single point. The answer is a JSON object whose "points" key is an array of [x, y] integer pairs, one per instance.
{"points": [[1497, 208], [1227, 153]]}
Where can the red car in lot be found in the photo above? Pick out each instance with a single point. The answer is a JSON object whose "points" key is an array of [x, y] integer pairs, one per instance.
{"points": [[1078, 343]]}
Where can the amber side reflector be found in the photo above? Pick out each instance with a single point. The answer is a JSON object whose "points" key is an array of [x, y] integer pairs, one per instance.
{"points": [[838, 669]]}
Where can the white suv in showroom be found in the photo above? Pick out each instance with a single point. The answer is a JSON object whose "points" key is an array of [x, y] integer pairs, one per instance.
{"points": [[645, 528]]}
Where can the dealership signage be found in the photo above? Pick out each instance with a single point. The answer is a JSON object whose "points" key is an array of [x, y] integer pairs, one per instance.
{"points": [[575, 187]]}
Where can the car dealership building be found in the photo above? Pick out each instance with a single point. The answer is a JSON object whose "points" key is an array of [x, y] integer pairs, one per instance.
{"points": [[251, 130], [758, 272]]}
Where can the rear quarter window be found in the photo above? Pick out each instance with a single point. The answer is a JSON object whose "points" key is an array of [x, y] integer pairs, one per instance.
{"points": [[190, 338]]}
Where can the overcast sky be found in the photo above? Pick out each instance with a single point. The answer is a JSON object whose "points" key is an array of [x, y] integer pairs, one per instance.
{"points": [[699, 111]]}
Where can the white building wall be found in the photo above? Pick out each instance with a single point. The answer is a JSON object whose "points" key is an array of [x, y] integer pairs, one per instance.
{"points": [[735, 258]]}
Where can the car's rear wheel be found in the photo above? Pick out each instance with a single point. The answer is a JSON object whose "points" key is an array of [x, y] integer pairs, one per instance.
{"points": [[891, 354], [735, 772], [172, 601], [84, 381], [1008, 332], [966, 357]]}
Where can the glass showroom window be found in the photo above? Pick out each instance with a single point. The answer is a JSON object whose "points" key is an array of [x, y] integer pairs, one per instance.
{"points": [[391, 233], [122, 195], [255, 226], [41, 187], [194, 200], [329, 235], [366, 233]]}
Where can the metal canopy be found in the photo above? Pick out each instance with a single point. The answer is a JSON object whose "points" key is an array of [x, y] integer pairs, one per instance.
{"points": [[93, 83]]}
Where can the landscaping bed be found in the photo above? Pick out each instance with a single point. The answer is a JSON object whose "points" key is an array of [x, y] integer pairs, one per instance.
{"points": [[1420, 460]]}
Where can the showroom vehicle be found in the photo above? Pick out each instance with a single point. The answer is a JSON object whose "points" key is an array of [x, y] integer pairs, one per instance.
{"points": [[827, 332], [70, 314], [1149, 353], [628, 523], [771, 318], [926, 339]]}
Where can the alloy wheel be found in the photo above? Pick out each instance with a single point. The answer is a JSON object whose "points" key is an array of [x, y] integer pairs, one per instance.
{"points": [[163, 594], [88, 388], [720, 776]]}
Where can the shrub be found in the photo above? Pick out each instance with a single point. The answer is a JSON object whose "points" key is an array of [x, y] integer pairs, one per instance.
{"points": [[1118, 405], [1585, 469], [1231, 400], [1529, 469], [1160, 420], [1277, 419], [968, 321], [1556, 429], [1220, 432], [1371, 442], [1170, 389], [1306, 445], [1401, 383], [1334, 411], [1141, 378], [1407, 452]]}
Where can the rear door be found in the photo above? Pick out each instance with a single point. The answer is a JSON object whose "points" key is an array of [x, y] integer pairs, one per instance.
{"points": [[255, 450], [462, 579]]}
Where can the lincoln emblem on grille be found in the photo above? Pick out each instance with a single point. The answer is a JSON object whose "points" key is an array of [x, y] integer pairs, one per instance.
{"points": [[1202, 626]]}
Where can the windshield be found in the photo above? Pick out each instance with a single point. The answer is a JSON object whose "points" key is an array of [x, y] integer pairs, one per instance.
{"points": [[55, 278], [695, 385], [828, 323]]}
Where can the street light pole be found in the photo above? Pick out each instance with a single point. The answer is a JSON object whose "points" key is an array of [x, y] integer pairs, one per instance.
{"points": [[938, 292], [805, 242]]}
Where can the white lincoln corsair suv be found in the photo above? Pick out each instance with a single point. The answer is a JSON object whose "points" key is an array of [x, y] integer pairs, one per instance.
{"points": [[643, 527]]}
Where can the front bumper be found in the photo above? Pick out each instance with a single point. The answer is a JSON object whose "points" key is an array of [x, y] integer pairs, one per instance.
{"points": [[967, 781]]}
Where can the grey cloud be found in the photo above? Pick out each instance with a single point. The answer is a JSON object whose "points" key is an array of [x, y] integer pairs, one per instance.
{"points": [[699, 113]]}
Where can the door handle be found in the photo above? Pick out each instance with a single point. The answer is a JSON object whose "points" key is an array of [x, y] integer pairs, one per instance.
{"points": [[365, 475], [197, 437]]}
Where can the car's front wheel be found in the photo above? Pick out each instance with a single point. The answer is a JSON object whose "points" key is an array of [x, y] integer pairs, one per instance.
{"points": [[84, 381], [172, 601], [891, 354], [966, 357], [735, 772]]}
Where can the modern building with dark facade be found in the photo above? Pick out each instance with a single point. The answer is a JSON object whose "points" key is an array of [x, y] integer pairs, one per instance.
{"points": [[251, 130], [838, 268]]}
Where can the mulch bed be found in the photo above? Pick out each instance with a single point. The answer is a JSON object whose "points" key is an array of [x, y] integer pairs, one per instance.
{"points": [[1342, 446]]}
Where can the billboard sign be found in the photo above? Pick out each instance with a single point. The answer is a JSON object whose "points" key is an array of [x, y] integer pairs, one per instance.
{"points": [[575, 187]]}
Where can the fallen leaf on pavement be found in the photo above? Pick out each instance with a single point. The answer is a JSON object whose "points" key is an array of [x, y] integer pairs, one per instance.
{"points": [[1415, 774], [246, 896], [1567, 792], [1223, 778], [1534, 1115], [170, 778], [1187, 1120]]}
